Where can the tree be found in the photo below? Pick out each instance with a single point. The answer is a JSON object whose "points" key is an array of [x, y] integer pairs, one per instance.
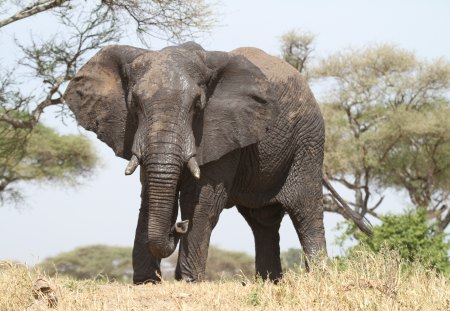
{"points": [[46, 157], [386, 114], [410, 235], [297, 48], [419, 160], [45, 65], [387, 126]]}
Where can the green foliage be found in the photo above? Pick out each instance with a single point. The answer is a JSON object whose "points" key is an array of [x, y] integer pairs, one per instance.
{"points": [[41, 155], [384, 104], [254, 297], [368, 84], [52, 156], [419, 159], [411, 235], [92, 262]]}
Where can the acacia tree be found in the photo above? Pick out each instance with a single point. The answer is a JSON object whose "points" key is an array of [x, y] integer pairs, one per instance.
{"points": [[297, 48], [387, 114], [387, 126], [44, 66]]}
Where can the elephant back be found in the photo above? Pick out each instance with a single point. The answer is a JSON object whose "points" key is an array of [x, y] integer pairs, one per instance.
{"points": [[294, 95], [274, 68]]}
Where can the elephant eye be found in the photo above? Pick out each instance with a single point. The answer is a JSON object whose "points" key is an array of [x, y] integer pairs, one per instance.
{"points": [[258, 99]]}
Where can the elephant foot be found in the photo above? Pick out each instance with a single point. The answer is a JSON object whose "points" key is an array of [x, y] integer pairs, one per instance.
{"points": [[275, 279], [146, 281], [187, 279], [187, 276]]}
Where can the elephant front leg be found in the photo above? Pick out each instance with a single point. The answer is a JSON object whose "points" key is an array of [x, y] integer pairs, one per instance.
{"points": [[201, 202], [146, 267], [203, 213]]}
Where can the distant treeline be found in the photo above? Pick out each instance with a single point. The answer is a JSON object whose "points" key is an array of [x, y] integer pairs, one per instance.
{"points": [[114, 263]]}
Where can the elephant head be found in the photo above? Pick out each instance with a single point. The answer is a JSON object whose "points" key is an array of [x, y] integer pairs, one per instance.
{"points": [[170, 109]]}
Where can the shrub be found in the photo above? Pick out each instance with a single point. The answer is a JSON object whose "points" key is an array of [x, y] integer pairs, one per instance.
{"points": [[411, 235]]}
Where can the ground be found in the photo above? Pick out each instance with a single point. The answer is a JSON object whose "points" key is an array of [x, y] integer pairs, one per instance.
{"points": [[368, 282]]}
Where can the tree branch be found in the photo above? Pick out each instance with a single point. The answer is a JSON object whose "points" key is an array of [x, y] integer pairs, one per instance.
{"points": [[14, 122], [372, 209], [343, 181], [330, 205], [36, 113], [56, 61], [33, 9]]}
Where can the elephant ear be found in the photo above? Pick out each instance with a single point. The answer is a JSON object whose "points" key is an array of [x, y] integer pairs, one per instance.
{"points": [[239, 110], [98, 97]]}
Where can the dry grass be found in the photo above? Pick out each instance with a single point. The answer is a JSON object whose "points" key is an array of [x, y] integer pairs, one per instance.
{"points": [[369, 282]]}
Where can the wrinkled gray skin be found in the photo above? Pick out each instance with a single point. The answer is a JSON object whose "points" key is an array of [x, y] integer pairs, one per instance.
{"points": [[211, 130]]}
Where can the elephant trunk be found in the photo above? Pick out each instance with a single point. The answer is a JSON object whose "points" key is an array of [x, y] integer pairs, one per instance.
{"points": [[162, 197], [162, 164]]}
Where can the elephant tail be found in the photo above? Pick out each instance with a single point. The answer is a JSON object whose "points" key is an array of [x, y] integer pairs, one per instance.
{"points": [[361, 222]]}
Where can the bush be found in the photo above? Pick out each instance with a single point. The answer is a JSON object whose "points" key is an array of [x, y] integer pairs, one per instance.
{"points": [[411, 235]]}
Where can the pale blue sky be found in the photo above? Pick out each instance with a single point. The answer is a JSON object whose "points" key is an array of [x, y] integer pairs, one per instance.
{"points": [[104, 209]]}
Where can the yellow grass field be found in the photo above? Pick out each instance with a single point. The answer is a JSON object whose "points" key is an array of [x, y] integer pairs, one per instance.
{"points": [[369, 282]]}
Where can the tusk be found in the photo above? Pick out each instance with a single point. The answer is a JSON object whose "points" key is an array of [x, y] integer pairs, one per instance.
{"points": [[132, 165], [193, 167]]}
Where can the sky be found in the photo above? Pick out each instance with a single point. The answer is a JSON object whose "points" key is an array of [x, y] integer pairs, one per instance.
{"points": [[103, 210]]}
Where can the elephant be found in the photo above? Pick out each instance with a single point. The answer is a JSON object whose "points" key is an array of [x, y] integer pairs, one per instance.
{"points": [[210, 130]]}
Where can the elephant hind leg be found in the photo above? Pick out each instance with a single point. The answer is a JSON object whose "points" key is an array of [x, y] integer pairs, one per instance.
{"points": [[301, 196], [265, 224]]}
